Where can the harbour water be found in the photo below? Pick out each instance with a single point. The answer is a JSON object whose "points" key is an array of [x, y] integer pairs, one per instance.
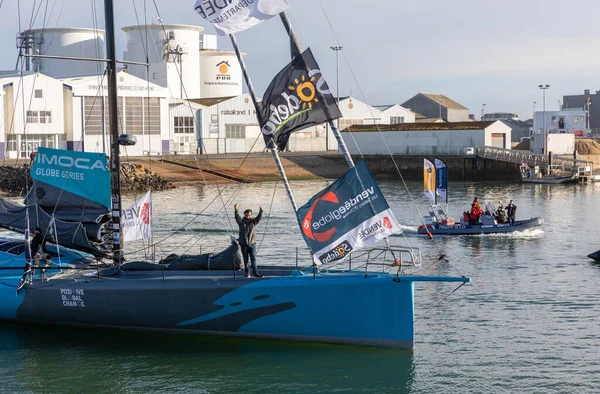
{"points": [[528, 323]]}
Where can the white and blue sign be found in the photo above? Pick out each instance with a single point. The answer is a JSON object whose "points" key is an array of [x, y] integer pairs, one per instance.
{"points": [[348, 215], [82, 173]]}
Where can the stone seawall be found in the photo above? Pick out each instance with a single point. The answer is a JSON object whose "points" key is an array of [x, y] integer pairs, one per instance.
{"points": [[134, 177], [459, 168]]}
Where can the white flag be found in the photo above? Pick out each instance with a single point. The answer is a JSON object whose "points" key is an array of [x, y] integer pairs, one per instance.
{"points": [[232, 16], [137, 219]]}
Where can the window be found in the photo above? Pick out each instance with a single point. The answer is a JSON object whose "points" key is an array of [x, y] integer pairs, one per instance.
{"points": [[11, 143], [345, 123], [141, 117], [38, 93], [45, 116], [576, 119], [32, 116], [92, 115], [235, 131], [581, 119], [396, 119], [151, 115], [133, 115], [183, 125]]}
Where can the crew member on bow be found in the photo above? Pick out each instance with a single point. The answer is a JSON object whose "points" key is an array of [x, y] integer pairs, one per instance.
{"points": [[247, 238]]}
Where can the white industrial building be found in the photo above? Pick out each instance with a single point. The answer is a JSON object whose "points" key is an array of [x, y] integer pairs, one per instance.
{"points": [[426, 138], [33, 113], [565, 121], [187, 99], [143, 112]]}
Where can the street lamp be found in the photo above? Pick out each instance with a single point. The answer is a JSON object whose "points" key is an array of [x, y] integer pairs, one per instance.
{"points": [[544, 87], [337, 50]]}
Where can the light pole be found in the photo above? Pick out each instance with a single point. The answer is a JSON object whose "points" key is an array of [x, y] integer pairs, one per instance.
{"points": [[482, 111], [588, 103], [544, 88], [337, 50]]}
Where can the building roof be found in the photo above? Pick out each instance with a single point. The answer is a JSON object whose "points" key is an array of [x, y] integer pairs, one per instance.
{"points": [[384, 107], [176, 102], [209, 102], [516, 124], [421, 126], [444, 101], [430, 120]]}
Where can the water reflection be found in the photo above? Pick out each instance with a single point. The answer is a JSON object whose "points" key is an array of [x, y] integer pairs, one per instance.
{"points": [[59, 360]]}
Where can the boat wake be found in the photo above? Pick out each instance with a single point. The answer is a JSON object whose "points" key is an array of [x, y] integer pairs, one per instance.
{"points": [[407, 230], [532, 233]]}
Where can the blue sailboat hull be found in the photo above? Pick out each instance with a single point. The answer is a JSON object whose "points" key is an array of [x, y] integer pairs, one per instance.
{"points": [[344, 308]]}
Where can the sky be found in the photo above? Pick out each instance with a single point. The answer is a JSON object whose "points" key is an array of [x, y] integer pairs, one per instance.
{"points": [[473, 51]]}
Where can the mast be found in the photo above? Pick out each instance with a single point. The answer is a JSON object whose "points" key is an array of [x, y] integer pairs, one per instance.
{"points": [[113, 113], [296, 49], [271, 146]]}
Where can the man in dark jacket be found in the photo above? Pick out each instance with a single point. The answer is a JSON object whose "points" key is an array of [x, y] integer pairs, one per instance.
{"points": [[247, 238], [38, 243], [511, 211]]}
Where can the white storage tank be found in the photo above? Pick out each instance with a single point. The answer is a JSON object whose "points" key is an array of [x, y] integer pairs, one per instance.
{"points": [[220, 74], [71, 42], [173, 54]]}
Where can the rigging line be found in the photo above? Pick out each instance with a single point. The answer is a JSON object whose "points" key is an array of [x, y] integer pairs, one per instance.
{"points": [[57, 20], [19, 14], [236, 192], [179, 72], [96, 47], [377, 126], [62, 188], [249, 151], [439, 302], [147, 53], [46, 13], [33, 13], [137, 19], [268, 218]]}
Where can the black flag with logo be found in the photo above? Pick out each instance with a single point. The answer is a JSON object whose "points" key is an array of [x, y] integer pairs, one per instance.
{"points": [[297, 98]]}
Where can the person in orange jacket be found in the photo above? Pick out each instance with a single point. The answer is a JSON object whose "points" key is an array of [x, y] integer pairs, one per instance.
{"points": [[475, 213]]}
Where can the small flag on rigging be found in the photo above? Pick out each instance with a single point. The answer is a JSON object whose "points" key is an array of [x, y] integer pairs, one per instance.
{"points": [[137, 219]]}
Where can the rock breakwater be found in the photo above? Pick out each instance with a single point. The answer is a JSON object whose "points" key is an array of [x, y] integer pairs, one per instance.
{"points": [[134, 177]]}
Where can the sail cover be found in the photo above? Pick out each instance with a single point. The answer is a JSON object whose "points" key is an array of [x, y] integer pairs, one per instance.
{"points": [[297, 98], [429, 180], [350, 214], [229, 17], [441, 179], [70, 192], [82, 173]]}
